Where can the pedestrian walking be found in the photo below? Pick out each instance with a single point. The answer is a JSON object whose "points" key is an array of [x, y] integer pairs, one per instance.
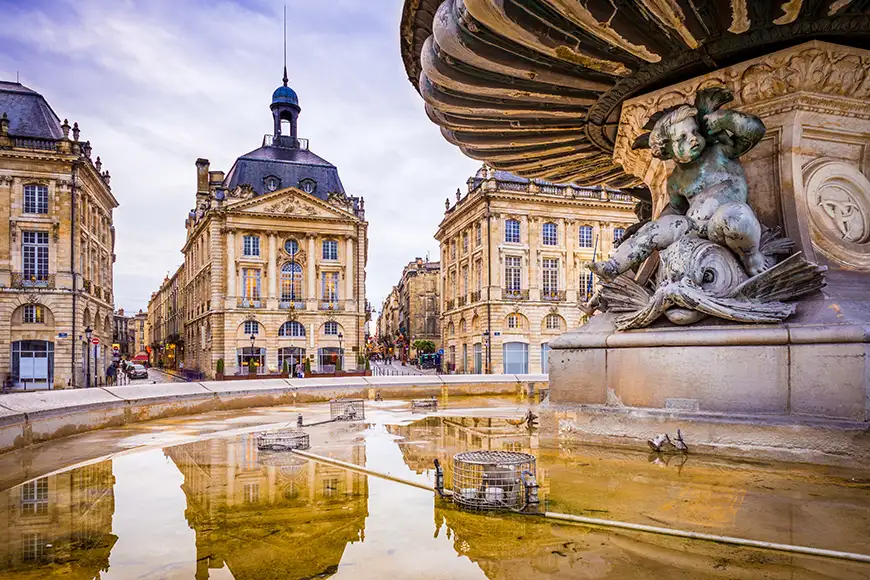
{"points": [[111, 372], [299, 371]]}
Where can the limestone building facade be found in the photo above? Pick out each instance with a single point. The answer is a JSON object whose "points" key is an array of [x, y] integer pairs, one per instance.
{"points": [[166, 322], [513, 257], [137, 331], [57, 255], [274, 262], [413, 308]]}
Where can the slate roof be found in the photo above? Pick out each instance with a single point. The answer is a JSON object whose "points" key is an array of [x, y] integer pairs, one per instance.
{"points": [[29, 113], [289, 165]]}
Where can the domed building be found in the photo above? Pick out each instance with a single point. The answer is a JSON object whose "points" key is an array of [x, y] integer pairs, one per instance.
{"points": [[274, 267]]}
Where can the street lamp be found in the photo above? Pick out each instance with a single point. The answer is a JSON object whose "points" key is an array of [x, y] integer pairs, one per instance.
{"points": [[340, 352], [89, 332], [488, 360], [253, 339]]}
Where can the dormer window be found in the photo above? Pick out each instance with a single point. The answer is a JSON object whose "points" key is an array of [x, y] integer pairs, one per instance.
{"points": [[272, 183], [308, 185]]}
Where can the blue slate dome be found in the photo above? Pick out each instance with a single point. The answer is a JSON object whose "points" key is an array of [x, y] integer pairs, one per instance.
{"points": [[285, 94]]}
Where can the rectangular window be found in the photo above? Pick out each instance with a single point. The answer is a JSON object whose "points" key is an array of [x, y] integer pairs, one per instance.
{"points": [[453, 250], [35, 199], [251, 246], [34, 497], [478, 235], [479, 275], [617, 234], [251, 327], [252, 492], [465, 243], [330, 250], [512, 231], [251, 282], [551, 277], [34, 314], [34, 250], [465, 287], [585, 236], [512, 265], [330, 328], [550, 234], [329, 286]]}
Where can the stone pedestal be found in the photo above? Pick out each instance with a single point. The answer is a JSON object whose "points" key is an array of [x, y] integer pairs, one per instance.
{"points": [[808, 176]]}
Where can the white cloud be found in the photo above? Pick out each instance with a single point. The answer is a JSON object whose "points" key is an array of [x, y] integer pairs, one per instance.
{"points": [[157, 84]]}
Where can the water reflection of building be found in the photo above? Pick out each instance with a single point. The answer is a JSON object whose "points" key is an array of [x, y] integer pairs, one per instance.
{"points": [[268, 514], [443, 437], [60, 524]]}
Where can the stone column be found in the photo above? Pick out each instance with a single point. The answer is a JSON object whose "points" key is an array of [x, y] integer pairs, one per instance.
{"points": [[534, 282], [348, 271], [272, 295], [312, 274], [231, 269], [570, 276]]}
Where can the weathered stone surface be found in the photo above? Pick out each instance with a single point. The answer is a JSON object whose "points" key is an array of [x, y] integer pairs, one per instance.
{"points": [[223, 387], [831, 380], [158, 391], [729, 379], [57, 400], [578, 375]]}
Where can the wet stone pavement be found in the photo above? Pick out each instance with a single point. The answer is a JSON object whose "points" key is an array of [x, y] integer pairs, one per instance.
{"points": [[194, 498]]}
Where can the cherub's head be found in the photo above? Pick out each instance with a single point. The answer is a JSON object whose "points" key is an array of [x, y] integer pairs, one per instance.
{"points": [[677, 135]]}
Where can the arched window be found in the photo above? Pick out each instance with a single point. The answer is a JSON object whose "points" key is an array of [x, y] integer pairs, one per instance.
{"points": [[330, 250], [35, 199], [587, 284], [291, 282], [512, 231], [462, 326], [292, 329], [330, 328], [514, 321], [34, 314], [550, 234], [451, 330], [252, 327], [585, 236], [553, 322]]}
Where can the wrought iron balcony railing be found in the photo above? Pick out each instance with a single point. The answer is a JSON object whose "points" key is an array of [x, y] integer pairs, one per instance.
{"points": [[297, 304], [250, 303], [330, 305], [553, 295], [515, 294], [475, 297], [20, 280], [449, 304]]}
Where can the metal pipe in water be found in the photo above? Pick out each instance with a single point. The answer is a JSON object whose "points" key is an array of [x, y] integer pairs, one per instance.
{"points": [[361, 469], [615, 523]]}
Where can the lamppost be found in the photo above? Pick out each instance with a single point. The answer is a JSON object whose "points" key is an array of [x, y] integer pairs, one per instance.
{"points": [[89, 332], [253, 340], [340, 352], [486, 343]]}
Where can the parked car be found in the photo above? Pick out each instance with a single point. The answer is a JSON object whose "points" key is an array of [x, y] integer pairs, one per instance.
{"points": [[137, 372]]}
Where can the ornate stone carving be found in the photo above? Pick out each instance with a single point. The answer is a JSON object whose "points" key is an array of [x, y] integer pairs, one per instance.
{"points": [[716, 259], [837, 201], [815, 67], [291, 205]]}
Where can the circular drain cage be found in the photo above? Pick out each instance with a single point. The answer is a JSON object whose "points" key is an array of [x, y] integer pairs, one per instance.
{"points": [[347, 409], [492, 480], [282, 441]]}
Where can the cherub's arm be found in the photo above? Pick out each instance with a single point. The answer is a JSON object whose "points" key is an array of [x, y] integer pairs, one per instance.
{"points": [[744, 129], [678, 205]]}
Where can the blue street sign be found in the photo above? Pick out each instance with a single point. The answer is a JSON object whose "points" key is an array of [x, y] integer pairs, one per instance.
{"points": [[62, 335], [441, 351]]}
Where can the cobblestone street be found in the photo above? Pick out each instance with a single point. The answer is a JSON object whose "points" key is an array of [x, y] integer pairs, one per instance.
{"points": [[156, 376]]}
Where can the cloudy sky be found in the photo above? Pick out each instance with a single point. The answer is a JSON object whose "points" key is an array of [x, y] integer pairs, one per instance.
{"points": [[155, 84]]}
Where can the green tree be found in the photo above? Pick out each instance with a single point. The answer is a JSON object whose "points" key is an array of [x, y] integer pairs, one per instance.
{"points": [[424, 346]]}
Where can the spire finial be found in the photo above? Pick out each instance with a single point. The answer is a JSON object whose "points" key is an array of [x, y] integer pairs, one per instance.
{"points": [[285, 46]]}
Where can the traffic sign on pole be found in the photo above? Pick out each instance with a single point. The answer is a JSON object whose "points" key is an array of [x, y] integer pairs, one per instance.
{"points": [[95, 341]]}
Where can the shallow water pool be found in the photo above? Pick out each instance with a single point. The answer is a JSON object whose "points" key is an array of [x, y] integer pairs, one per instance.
{"points": [[193, 498]]}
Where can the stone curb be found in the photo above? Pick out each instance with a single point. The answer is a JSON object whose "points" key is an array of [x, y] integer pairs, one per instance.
{"points": [[27, 418]]}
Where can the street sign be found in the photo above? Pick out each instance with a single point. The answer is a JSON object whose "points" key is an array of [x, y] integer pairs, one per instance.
{"points": [[441, 351], [62, 335], [95, 341]]}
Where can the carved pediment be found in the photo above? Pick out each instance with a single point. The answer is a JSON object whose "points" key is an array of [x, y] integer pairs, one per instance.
{"points": [[289, 202]]}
